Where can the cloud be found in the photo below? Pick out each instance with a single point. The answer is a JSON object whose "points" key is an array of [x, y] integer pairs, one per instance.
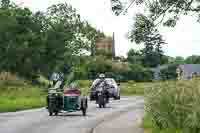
{"points": [[184, 38]]}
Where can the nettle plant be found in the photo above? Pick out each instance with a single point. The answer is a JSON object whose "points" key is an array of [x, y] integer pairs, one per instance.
{"points": [[175, 105]]}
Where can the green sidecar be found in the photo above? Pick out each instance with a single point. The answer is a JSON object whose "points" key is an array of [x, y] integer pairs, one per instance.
{"points": [[69, 101]]}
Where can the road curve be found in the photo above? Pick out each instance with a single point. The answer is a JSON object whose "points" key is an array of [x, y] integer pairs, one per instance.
{"points": [[38, 121]]}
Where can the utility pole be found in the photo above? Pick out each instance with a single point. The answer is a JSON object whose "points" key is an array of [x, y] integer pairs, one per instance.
{"points": [[113, 46], [92, 49]]}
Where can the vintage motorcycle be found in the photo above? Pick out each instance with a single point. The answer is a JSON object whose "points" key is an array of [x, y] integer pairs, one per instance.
{"points": [[102, 97], [68, 101]]}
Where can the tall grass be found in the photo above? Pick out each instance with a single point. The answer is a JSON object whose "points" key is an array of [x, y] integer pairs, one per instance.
{"points": [[151, 127], [14, 97], [175, 105]]}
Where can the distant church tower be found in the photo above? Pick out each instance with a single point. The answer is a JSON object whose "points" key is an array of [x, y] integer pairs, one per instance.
{"points": [[106, 44]]}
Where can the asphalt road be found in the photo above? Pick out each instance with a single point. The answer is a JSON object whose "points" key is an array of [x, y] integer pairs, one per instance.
{"points": [[129, 122], [38, 121]]}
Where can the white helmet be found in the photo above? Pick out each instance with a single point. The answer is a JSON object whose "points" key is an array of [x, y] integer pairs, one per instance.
{"points": [[73, 85], [101, 75], [55, 77]]}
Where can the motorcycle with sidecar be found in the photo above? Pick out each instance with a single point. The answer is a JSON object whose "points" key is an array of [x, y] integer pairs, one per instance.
{"points": [[68, 101]]}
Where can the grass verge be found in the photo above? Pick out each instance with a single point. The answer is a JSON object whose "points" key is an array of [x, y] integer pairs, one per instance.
{"points": [[131, 88], [21, 97], [150, 127]]}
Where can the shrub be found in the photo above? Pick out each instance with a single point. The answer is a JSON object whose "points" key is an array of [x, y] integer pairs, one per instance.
{"points": [[169, 73]]}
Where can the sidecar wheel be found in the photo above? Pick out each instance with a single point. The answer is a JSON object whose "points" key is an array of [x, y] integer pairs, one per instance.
{"points": [[100, 106], [56, 113], [50, 113], [84, 106], [84, 112]]}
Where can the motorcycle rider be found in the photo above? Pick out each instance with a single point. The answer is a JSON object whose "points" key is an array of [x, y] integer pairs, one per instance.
{"points": [[57, 80], [101, 83]]}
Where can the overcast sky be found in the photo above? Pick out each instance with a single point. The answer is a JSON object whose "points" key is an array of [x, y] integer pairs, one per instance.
{"points": [[184, 40]]}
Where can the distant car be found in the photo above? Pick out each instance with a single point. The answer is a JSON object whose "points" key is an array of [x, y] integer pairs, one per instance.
{"points": [[113, 88]]}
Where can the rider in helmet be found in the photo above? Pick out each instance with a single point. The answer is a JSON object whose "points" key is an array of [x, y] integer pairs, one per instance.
{"points": [[103, 84], [102, 76], [57, 80]]}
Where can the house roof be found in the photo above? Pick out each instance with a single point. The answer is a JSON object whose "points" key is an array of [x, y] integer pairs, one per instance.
{"points": [[190, 68]]}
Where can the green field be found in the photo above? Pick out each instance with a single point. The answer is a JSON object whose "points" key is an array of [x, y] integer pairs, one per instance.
{"points": [[132, 88]]}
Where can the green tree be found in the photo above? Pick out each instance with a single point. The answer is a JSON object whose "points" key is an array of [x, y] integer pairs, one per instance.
{"points": [[19, 41], [179, 60], [39, 43], [5, 4], [92, 35], [169, 73], [194, 59], [144, 32], [166, 12], [74, 35], [157, 12], [117, 6], [134, 57]]}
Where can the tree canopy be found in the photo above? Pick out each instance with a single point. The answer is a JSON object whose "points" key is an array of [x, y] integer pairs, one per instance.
{"points": [[155, 13], [166, 12], [145, 32], [42, 42]]}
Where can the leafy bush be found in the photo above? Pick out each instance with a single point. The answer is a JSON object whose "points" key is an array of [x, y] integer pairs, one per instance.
{"points": [[138, 73], [120, 71], [169, 73], [175, 105]]}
